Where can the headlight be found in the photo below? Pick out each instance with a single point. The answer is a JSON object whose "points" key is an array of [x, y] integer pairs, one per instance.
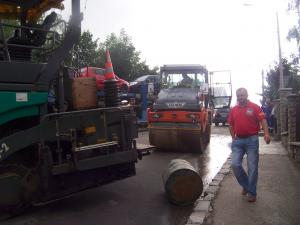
{"points": [[193, 116], [156, 115]]}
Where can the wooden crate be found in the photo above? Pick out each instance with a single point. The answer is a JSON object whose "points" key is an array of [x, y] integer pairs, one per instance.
{"points": [[84, 93]]}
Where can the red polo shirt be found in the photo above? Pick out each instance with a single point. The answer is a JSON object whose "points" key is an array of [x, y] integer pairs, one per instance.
{"points": [[245, 119]]}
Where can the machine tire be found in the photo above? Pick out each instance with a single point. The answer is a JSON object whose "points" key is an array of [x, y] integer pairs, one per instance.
{"points": [[28, 189], [217, 124], [123, 89]]}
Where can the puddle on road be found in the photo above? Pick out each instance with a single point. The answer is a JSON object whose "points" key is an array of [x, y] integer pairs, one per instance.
{"points": [[211, 161], [213, 158], [207, 164]]}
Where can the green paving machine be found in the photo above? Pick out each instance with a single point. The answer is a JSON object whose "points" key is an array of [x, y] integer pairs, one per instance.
{"points": [[54, 138]]}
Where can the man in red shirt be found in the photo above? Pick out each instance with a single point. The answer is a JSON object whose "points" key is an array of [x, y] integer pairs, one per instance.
{"points": [[244, 124]]}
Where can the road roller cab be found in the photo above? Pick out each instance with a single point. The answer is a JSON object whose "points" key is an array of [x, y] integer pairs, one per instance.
{"points": [[180, 117]]}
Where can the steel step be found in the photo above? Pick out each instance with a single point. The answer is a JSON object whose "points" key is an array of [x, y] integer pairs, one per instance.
{"points": [[89, 147]]}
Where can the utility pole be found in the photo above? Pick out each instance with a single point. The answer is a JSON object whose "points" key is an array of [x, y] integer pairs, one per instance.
{"points": [[281, 84]]}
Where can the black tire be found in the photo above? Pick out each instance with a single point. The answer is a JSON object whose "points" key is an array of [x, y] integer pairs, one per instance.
{"points": [[123, 89], [217, 124], [223, 124], [26, 194]]}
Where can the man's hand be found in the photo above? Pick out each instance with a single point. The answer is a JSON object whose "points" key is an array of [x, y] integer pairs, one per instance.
{"points": [[266, 131], [267, 138]]}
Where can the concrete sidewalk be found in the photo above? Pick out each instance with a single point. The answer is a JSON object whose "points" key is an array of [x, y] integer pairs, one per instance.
{"points": [[278, 193]]}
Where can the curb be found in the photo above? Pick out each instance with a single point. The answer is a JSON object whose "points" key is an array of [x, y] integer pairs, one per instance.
{"points": [[203, 206]]}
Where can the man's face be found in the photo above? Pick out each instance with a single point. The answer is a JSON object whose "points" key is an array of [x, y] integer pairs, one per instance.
{"points": [[242, 97]]}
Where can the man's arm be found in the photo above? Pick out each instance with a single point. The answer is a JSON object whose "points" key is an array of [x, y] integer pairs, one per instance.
{"points": [[266, 131], [230, 122]]}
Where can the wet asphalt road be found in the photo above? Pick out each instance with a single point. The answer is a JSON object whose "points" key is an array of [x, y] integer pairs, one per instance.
{"points": [[138, 200]]}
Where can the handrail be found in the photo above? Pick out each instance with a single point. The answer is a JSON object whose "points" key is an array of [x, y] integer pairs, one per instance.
{"points": [[25, 45], [101, 145], [53, 115], [27, 27]]}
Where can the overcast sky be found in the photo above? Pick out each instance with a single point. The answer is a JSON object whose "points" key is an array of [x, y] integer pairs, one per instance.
{"points": [[236, 35]]}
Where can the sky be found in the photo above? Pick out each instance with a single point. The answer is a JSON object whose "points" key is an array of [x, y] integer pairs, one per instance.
{"points": [[235, 35]]}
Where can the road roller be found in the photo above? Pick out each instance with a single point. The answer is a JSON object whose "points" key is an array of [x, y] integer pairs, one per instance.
{"points": [[180, 119]]}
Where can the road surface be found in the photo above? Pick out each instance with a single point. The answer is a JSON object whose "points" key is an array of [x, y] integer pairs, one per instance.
{"points": [[138, 200]]}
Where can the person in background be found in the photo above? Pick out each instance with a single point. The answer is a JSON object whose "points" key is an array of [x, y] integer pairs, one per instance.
{"points": [[244, 124], [274, 119], [267, 107], [186, 81]]}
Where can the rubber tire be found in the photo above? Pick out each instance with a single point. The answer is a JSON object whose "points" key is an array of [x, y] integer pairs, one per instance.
{"points": [[123, 89]]}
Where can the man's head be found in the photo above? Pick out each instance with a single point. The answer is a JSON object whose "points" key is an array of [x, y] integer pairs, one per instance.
{"points": [[242, 96]]}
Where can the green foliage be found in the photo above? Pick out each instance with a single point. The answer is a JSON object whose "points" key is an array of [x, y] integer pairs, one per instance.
{"points": [[9, 31], [123, 54], [290, 77], [125, 58], [294, 32], [86, 50], [290, 69]]}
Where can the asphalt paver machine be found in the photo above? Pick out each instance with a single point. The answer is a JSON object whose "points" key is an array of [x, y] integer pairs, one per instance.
{"points": [[53, 141], [180, 119]]}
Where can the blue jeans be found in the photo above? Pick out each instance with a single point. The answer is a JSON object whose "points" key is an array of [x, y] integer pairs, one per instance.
{"points": [[239, 147]]}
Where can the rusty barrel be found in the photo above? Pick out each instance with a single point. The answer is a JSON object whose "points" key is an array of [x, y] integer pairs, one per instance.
{"points": [[183, 184]]}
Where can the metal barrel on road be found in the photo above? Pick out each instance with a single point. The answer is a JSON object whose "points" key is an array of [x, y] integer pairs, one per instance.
{"points": [[183, 184]]}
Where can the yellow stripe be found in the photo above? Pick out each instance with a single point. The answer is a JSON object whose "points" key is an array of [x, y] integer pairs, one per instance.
{"points": [[90, 130]]}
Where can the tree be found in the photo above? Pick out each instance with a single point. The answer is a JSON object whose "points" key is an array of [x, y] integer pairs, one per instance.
{"points": [[86, 50], [125, 58], [290, 69], [291, 79], [294, 32]]}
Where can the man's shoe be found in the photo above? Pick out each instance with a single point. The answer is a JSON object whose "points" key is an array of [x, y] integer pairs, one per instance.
{"points": [[244, 191], [251, 198]]}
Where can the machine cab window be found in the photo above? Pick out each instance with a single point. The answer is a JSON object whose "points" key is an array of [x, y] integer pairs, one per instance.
{"points": [[185, 80]]}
